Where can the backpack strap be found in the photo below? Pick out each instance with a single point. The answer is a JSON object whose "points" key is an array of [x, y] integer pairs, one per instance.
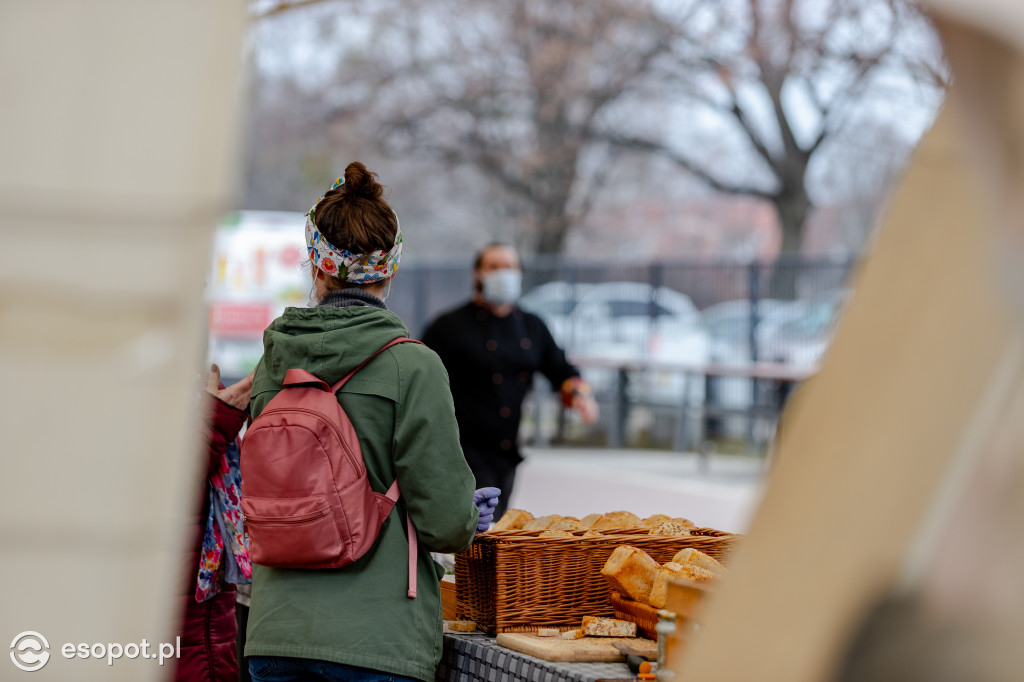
{"points": [[394, 342], [392, 494]]}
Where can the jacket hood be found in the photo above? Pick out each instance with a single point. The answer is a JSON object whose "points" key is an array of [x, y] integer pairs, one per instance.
{"points": [[327, 341]]}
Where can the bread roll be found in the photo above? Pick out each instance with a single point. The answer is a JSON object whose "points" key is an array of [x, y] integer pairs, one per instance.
{"points": [[593, 534], [656, 520], [631, 572], [513, 519], [541, 522], [556, 534], [567, 524], [686, 522], [693, 557], [617, 521], [589, 520], [670, 528]]}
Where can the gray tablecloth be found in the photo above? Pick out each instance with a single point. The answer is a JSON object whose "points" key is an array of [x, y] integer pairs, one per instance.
{"points": [[477, 658]]}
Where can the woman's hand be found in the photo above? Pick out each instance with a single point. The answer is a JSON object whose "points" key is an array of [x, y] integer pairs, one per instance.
{"points": [[486, 499], [236, 395]]}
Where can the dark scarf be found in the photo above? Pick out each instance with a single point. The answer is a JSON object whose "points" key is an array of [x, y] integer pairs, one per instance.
{"points": [[343, 298]]}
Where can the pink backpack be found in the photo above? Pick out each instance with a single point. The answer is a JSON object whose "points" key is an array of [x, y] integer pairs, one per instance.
{"points": [[305, 495]]}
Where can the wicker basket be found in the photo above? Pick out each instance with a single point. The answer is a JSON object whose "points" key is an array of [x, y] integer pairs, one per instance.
{"points": [[515, 581], [645, 617]]}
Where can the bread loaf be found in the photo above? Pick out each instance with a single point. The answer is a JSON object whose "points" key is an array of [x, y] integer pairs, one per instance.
{"points": [[693, 557], [670, 528], [548, 632], [556, 534], [541, 522], [589, 520], [572, 634], [631, 572], [659, 592], [607, 627], [461, 625], [513, 519]]}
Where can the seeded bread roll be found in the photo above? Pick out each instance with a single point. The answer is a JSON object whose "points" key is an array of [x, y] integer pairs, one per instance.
{"points": [[513, 519], [656, 520], [693, 557], [631, 572], [567, 524], [686, 522], [589, 520], [670, 528], [607, 627], [593, 534], [556, 534], [542, 522]]}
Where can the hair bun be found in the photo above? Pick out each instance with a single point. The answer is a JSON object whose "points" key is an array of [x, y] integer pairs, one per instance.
{"points": [[360, 182]]}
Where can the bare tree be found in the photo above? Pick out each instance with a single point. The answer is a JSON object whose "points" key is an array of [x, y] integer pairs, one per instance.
{"points": [[783, 79], [541, 96]]}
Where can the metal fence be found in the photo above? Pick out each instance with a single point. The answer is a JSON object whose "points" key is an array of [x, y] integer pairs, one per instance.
{"points": [[653, 407]]}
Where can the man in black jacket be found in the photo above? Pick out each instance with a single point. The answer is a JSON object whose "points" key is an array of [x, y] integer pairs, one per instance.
{"points": [[491, 348]]}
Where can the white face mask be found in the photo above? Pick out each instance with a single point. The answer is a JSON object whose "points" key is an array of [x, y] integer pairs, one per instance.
{"points": [[502, 287]]}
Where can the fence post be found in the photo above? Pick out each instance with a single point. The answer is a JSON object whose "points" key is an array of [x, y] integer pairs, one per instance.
{"points": [[620, 409], [755, 320]]}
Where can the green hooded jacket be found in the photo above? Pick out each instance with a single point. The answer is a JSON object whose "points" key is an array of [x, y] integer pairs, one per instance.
{"points": [[401, 408]]}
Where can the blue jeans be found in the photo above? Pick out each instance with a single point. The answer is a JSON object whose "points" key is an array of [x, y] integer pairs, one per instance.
{"points": [[283, 669]]}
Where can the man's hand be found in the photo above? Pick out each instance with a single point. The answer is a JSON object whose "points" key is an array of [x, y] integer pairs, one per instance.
{"points": [[587, 407], [236, 395]]}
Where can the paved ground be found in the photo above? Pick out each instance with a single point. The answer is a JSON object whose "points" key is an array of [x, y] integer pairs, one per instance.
{"points": [[724, 494]]}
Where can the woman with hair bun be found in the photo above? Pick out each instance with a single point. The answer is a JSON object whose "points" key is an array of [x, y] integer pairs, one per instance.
{"points": [[361, 621]]}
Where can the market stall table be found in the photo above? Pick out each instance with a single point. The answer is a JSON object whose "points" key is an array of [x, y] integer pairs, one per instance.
{"points": [[477, 657]]}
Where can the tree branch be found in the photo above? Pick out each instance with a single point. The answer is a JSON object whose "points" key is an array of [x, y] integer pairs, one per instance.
{"points": [[647, 146]]}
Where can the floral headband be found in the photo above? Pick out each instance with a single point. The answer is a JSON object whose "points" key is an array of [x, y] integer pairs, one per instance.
{"points": [[359, 268]]}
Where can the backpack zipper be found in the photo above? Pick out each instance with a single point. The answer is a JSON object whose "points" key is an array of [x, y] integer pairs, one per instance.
{"points": [[359, 464], [278, 521]]}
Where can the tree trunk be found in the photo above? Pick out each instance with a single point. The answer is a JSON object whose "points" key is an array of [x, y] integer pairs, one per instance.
{"points": [[552, 229], [792, 210]]}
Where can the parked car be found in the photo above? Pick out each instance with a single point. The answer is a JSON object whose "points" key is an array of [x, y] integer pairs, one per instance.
{"points": [[801, 342], [629, 322], [728, 325]]}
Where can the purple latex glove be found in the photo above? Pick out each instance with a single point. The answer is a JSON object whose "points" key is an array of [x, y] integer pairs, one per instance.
{"points": [[486, 499]]}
